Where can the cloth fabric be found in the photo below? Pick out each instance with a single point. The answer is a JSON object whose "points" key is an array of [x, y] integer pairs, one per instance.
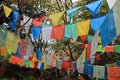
{"points": [[57, 32], [27, 25], [84, 55], [99, 71], [3, 51], [46, 33], [94, 44], [36, 32], [94, 7], [89, 38], [109, 48], [22, 47], [111, 3], [56, 18], [59, 64], [83, 27], [46, 25], [12, 40], [65, 65], [116, 15], [100, 49], [72, 12], [12, 25], [27, 63], [96, 22], [7, 10], [113, 73], [88, 69], [38, 21], [88, 55], [107, 29], [81, 69], [70, 30], [38, 54], [31, 64], [39, 65], [3, 35], [117, 48], [15, 16]]}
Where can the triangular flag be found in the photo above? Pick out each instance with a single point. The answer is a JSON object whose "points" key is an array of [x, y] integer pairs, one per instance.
{"points": [[96, 22], [107, 29], [56, 18], [7, 11], [72, 12], [116, 16], [94, 7], [111, 3], [83, 27], [38, 53]]}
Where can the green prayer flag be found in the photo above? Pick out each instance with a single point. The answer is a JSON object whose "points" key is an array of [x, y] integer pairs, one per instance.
{"points": [[70, 30], [100, 49], [117, 48], [27, 63], [89, 38], [3, 35], [99, 71]]}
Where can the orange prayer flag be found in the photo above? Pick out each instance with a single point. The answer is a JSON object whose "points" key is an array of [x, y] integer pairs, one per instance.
{"points": [[20, 61], [58, 32], [109, 48], [37, 22], [3, 51], [113, 73]]}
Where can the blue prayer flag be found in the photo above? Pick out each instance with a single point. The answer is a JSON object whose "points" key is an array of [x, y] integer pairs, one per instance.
{"points": [[72, 12], [107, 29], [36, 32], [94, 7], [96, 22], [38, 53], [12, 25], [88, 69], [15, 16]]}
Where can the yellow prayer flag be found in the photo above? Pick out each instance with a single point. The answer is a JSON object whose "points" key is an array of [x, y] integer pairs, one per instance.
{"points": [[12, 41], [34, 57], [56, 18], [31, 64], [83, 55], [83, 27], [7, 11]]}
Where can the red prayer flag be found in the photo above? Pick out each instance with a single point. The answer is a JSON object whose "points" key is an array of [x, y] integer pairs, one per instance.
{"points": [[58, 32], [88, 51], [113, 73], [65, 64]]}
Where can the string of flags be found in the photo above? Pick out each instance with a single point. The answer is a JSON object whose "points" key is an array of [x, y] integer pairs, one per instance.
{"points": [[28, 56]]}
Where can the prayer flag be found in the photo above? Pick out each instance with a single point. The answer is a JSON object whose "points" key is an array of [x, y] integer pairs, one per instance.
{"points": [[7, 10], [83, 27], [56, 18], [107, 29]]}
